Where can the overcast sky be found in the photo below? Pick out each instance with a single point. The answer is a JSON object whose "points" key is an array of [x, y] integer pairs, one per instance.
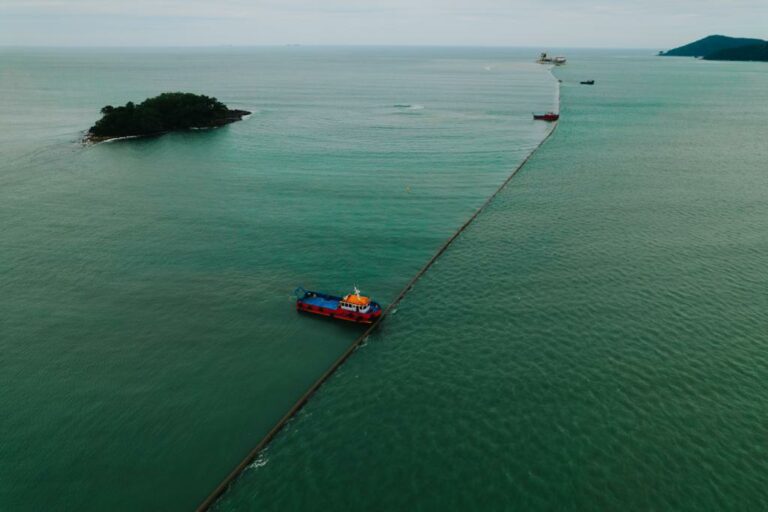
{"points": [[549, 23]]}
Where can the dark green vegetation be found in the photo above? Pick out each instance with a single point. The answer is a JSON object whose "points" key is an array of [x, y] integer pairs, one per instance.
{"points": [[752, 52], [164, 113], [722, 48]]}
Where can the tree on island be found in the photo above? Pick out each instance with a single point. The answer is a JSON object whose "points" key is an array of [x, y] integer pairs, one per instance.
{"points": [[166, 112]]}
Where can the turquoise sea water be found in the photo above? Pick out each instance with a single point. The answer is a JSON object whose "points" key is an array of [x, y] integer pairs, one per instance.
{"points": [[596, 340], [147, 331]]}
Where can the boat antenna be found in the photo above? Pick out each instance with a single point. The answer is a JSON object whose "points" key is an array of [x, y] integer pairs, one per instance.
{"points": [[357, 291]]}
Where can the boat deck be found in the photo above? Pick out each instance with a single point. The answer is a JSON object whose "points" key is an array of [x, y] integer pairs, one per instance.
{"points": [[321, 302]]}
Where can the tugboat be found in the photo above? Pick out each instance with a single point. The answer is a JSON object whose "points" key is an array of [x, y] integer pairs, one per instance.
{"points": [[549, 116], [352, 307]]}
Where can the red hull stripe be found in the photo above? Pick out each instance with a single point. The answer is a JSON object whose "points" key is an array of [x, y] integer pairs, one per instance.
{"points": [[338, 313]]}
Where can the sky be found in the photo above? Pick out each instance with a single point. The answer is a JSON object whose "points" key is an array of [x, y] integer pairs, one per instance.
{"points": [[654, 24]]}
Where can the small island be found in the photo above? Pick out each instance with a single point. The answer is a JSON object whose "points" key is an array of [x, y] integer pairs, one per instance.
{"points": [[719, 47], [165, 113]]}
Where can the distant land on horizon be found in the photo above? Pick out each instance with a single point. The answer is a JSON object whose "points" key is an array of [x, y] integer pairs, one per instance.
{"points": [[718, 47]]}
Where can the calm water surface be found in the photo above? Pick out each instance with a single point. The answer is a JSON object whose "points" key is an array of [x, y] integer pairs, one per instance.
{"points": [[598, 338], [147, 332]]}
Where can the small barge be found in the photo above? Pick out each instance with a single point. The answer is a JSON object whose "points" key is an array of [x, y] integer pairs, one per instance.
{"points": [[352, 307], [549, 116]]}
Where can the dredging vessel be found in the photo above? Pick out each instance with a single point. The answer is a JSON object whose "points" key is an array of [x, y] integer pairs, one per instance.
{"points": [[352, 307], [546, 59]]}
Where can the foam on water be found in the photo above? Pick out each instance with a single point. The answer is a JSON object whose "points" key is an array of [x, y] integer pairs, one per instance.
{"points": [[260, 462], [127, 137]]}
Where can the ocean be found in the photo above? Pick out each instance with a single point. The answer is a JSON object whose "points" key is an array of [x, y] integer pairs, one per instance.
{"points": [[596, 340], [148, 337]]}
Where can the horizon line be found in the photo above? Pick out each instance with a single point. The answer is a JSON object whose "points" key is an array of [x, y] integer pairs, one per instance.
{"points": [[320, 45]]}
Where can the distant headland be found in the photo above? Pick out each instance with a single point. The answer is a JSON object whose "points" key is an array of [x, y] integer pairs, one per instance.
{"points": [[167, 112], [722, 48]]}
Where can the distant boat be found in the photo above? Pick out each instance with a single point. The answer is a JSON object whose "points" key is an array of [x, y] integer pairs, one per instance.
{"points": [[549, 116], [588, 82], [352, 307], [546, 59]]}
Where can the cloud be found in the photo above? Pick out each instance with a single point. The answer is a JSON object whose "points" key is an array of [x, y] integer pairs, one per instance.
{"points": [[144, 8], [617, 23]]}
